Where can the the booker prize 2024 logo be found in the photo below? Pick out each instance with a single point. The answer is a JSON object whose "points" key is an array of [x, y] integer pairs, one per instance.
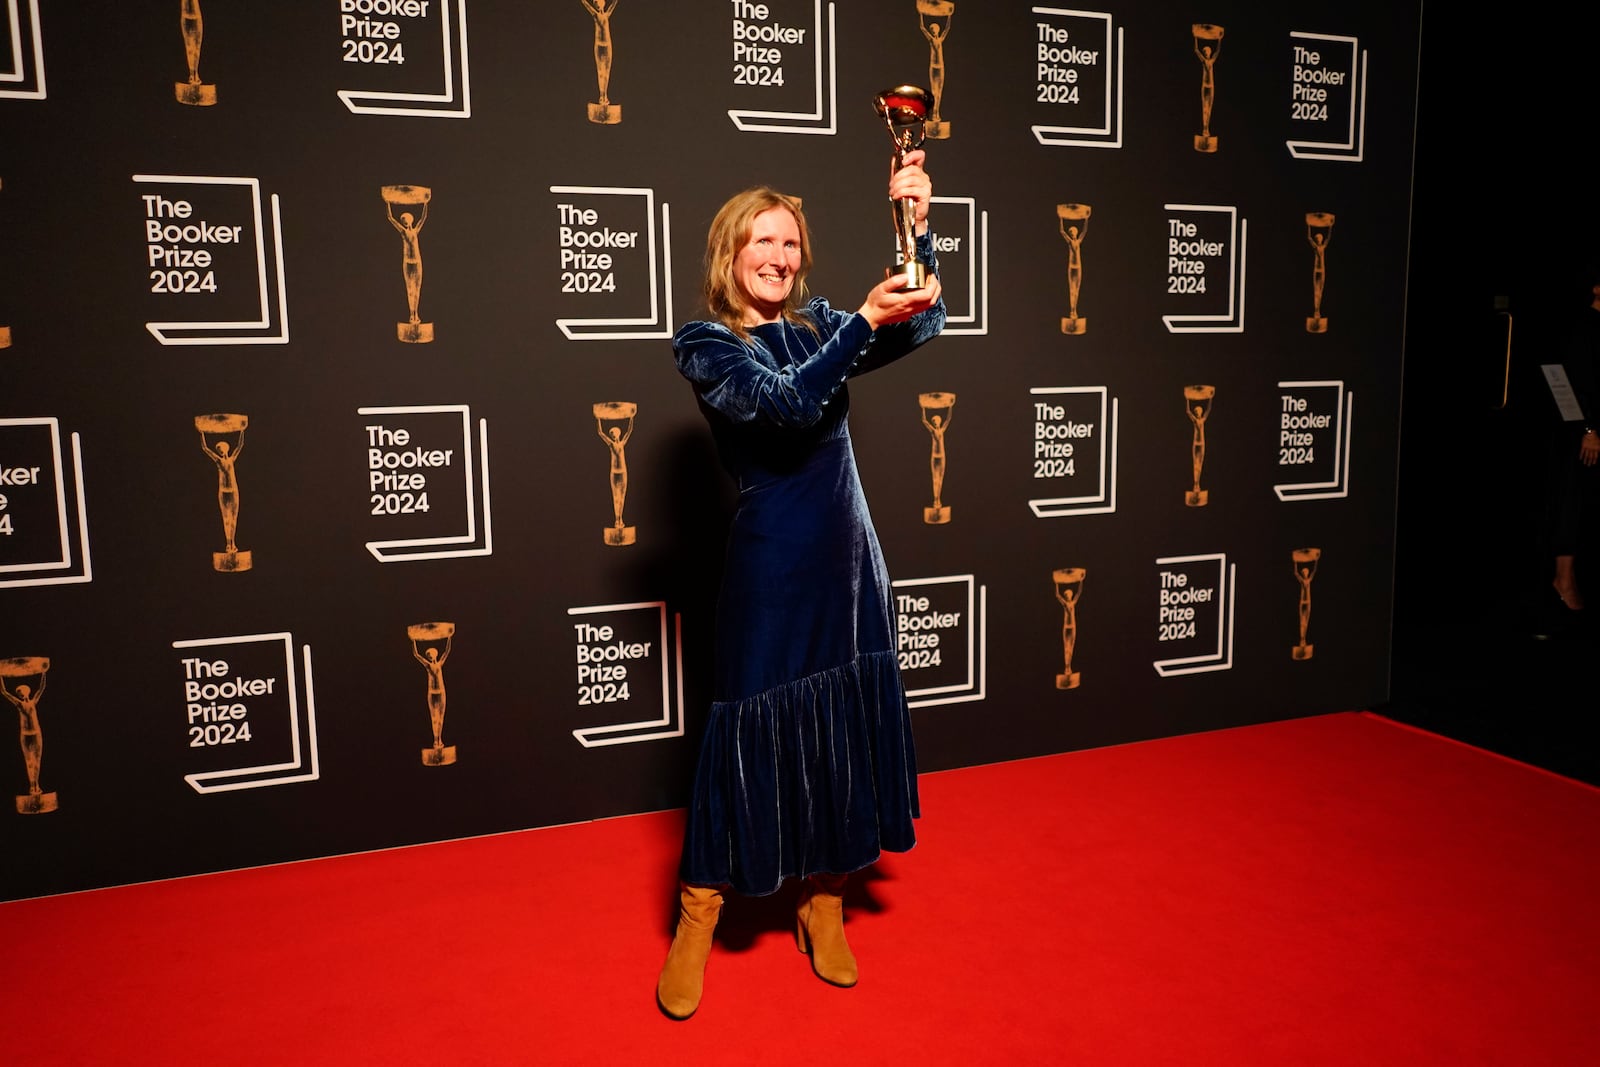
{"points": [[248, 712], [424, 488], [213, 264], [1205, 257], [1194, 614], [626, 662], [614, 263], [1314, 422], [784, 70], [1327, 99], [44, 525], [1075, 61], [942, 638], [409, 58], [1073, 450]]}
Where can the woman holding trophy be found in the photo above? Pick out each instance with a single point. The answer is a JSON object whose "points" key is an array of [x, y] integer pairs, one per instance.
{"points": [[807, 768]]}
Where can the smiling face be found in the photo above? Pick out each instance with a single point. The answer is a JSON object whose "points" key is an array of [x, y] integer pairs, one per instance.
{"points": [[766, 267]]}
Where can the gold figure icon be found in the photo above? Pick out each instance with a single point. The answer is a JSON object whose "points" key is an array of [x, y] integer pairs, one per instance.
{"points": [[1207, 43], [193, 26], [936, 411], [1074, 223], [1305, 569], [1069, 590], [614, 423], [936, 33], [1319, 231], [225, 454], [904, 110], [409, 226], [1197, 405], [25, 698], [603, 110], [430, 646]]}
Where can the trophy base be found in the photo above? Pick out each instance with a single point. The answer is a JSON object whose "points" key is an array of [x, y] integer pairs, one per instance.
{"points": [[1302, 651], [228, 562], [5, 337], [1204, 143], [617, 536], [1316, 324], [414, 333], [605, 114], [916, 273], [195, 94], [936, 516], [1073, 326], [936, 129], [442, 756], [36, 803], [1068, 681], [1196, 498]]}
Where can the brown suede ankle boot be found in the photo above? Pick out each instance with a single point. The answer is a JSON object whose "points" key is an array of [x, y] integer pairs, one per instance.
{"points": [[683, 975], [819, 926]]}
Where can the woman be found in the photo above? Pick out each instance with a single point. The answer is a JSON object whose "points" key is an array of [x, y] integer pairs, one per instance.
{"points": [[807, 768]]}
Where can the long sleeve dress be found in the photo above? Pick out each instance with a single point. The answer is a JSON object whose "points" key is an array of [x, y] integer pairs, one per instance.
{"points": [[807, 764]]}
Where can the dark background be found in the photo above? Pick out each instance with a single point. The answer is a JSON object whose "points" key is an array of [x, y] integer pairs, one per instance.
{"points": [[1503, 224]]}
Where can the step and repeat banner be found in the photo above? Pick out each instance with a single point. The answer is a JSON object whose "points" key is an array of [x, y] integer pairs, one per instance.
{"points": [[349, 497]]}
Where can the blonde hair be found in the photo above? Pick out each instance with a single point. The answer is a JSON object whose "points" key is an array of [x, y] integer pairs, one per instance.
{"points": [[729, 233]]}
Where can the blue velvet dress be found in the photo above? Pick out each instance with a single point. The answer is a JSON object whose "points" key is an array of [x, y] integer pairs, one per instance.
{"points": [[807, 764]]}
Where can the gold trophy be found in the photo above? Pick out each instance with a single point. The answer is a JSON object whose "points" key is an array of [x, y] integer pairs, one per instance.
{"points": [[1074, 223], [602, 111], [936, 412], [1207, 43], [904, 110], [614, 423], [936, 32], [409, 226], [26, 699], [1305, 569], [193, 26], [1319, 231], [1069, 590], [1197, 405], [225, 453], [430, 645]]}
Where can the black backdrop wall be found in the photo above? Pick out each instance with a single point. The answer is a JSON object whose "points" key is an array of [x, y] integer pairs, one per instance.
{"points": [[351, 498]]}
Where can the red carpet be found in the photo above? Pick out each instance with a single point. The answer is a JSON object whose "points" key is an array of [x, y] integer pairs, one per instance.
{"points": [[1334, 890]]}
